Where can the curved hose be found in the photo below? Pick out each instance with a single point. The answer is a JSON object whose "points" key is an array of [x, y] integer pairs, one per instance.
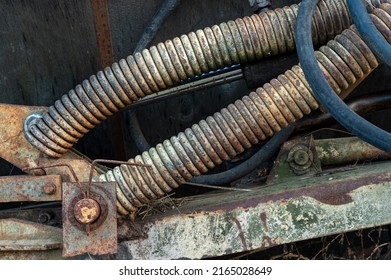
{"points": [[256, 160], [168, 63], [362, 105], [368, 31], [324, 92], [167, 7], [344, 61], [164, 10]]}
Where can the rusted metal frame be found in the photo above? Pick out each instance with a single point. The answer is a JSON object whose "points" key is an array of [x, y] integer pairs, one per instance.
{"points": [[106, 56], [347, 150], [54, 254], [102, 31], [84, 230], [306, 156], [234, 222], [50, 216], [30, 188], [19, 235], [18, 151]]}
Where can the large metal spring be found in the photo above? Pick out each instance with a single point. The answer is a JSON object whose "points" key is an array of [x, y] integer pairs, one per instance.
{"points": [[344, 61], [164, 65]]}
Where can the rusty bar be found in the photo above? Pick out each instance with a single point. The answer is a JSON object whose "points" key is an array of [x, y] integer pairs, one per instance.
{"points": [[347, 150], [30, 188], [43, 167], [102, 30], [106, 56], [228, 223], [18, 235], [31, 255]]}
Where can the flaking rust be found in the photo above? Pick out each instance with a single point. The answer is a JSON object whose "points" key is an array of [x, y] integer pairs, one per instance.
{"points": [[85, 233]]}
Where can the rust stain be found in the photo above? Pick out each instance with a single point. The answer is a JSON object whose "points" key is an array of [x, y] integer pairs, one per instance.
{"points": [[262, 216], [86, 211], [102, 29], [29, 188], [268, 242], [241, 232], [334, 192]]}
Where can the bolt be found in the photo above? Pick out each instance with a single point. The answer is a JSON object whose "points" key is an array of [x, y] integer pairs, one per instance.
{"points": [[44, 217], [301, 157], [49, 188], [86, 211]]}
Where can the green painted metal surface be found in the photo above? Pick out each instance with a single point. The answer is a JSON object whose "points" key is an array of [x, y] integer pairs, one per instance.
{"points": [[283, 213]]}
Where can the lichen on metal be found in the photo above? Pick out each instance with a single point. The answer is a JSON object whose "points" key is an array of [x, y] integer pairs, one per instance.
{"points": [[283, 213]]}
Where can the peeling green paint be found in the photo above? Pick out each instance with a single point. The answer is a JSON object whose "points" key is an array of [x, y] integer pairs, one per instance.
{"points": [[285, 213]]}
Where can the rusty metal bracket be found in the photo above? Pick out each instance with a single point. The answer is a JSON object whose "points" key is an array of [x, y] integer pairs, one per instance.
{"points": [[18, 151], [297, 157], [101, 219], [30, 188]]}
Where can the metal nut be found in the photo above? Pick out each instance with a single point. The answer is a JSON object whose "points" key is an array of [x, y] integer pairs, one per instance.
{"points": [[45, 217], [49, 189], [86, 211], [300, 159]]}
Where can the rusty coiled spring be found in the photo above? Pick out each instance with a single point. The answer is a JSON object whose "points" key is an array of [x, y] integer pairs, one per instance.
{"points": [[164, 65], [344, 61]]}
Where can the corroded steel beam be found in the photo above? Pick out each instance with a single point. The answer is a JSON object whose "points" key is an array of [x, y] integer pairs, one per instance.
{"points": [[233, 222], [30, 188], [17, 150]]}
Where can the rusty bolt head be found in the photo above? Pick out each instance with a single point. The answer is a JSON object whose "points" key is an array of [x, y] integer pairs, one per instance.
{"points": [[86, 211], [301, 157], [44, 217], [49, 188]]}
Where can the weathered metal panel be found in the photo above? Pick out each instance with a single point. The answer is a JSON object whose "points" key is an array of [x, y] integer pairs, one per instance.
{"points": [[235, 222], [29, 188], [47, 46], [18, 235], [102, 234], [31, 255]]}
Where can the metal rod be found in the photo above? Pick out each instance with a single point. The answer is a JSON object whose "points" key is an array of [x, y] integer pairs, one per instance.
{"points": [[217, 187]]}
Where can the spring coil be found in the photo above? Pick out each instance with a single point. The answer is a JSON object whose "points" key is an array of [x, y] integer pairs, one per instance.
{"points": [[162, 66], [344, 61]]}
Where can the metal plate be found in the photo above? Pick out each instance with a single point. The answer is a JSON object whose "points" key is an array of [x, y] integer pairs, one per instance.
{"points": [[232, 222], [103, 235], [30, 188], [19, 235]]}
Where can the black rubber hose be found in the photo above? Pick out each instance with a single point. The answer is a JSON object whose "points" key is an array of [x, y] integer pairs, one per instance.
{"points": [[325, 94], [361, 105], [135, 131], [368, 31], [259, 158], [167, 7]]}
